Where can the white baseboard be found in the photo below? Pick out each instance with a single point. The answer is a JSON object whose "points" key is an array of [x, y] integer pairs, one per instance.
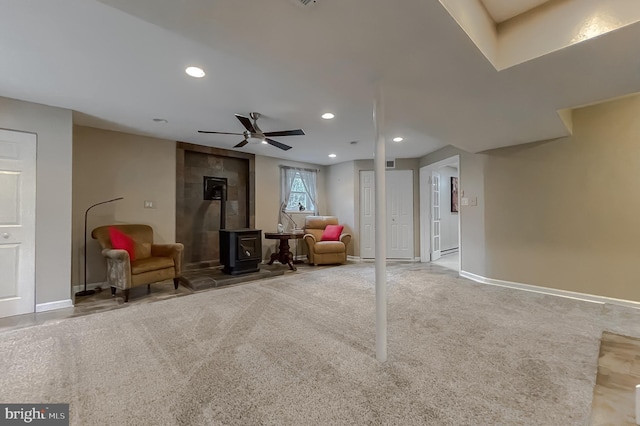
{"points": [[357, 258], [551, 291], [90, 286], [51, 306]]}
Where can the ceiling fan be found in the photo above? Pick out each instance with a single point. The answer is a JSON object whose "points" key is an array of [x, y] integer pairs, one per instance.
{"points": [[254, 132]]}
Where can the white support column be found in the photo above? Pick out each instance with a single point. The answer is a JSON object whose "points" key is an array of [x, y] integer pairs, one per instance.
{"points": [[381, 231]]}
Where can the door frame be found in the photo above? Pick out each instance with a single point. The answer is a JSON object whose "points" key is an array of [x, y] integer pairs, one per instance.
{"points": [[426, 207]]}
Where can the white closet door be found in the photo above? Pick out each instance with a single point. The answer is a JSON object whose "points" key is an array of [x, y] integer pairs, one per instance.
{"points": [[17, 222]]}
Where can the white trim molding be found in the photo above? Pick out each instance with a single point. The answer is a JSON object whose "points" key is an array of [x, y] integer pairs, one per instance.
{"points": [[52, 306], [551, 291]]}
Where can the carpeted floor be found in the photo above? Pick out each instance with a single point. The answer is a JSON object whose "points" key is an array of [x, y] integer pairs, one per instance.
{"points": [[299, 350]]}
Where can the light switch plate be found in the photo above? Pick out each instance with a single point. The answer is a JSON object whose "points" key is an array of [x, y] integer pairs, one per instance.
{"points": [[474, 201], [464, 201], [148, 204]]}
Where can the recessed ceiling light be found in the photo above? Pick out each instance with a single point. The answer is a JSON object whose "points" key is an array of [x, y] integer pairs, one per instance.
{"points": [[332, 155], [264, 142], [398, 139], [327, 116], [160, 120], [195, 72]]}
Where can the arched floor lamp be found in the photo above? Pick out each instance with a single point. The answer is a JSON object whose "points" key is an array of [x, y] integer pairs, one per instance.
{"points": [[86, 292]]}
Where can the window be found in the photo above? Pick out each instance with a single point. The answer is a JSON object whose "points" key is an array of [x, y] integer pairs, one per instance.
{"points": [[298, 189]]}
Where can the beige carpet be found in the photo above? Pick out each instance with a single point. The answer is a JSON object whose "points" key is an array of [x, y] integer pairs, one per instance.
{"points": [[299, 350]]}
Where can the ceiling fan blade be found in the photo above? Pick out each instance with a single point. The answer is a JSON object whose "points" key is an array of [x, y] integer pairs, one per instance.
{"points": [[241, 144], [246, 122], [220, 133], [278, 144], [297, 132]]}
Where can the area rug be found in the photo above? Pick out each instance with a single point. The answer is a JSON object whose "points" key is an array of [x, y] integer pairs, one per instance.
{"points": [[299, 350]]}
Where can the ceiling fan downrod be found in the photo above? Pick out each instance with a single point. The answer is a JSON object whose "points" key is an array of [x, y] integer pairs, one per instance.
{"points": [[254, 116]]}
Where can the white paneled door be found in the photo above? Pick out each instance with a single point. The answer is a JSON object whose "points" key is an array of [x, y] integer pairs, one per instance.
{"points": [[400, 214], [399, 189], [435, 216], [17, 222]]}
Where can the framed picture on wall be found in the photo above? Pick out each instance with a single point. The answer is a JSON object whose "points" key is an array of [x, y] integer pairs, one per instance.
{"points": [[454, 194]]}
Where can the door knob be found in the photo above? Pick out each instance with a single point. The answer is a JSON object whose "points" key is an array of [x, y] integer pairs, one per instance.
{"points": [[5, 235]]}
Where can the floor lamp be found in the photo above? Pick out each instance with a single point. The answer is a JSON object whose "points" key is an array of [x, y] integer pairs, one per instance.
{"points": [[86, 292]]}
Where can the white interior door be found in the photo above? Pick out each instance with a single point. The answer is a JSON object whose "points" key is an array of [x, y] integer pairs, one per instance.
{"points": [[435, 216], [17, 222], [367, 215], [399, 214]]}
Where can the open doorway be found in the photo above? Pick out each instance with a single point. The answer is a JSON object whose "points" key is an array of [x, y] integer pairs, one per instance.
{"points": [[440, 213]]}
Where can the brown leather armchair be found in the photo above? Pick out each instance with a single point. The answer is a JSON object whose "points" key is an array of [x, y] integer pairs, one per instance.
{"points": [[153, 262], [324, 252]]}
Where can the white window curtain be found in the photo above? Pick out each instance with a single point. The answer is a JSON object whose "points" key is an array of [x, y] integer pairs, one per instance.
{"points": [[309, 181]]}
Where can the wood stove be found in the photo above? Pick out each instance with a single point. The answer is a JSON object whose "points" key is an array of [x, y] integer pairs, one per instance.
{"points": [[240, 250]]}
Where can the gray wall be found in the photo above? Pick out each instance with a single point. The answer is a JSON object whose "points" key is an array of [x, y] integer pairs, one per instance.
{"points": [[54, 129], [564, 213], [341, 201]]}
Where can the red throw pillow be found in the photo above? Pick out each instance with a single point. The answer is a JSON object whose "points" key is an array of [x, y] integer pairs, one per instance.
{"points": [[332, 233], [121, 241]]}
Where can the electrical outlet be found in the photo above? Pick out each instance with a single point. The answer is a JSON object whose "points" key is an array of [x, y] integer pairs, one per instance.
{"points": [[473, 201], [148, 205]]}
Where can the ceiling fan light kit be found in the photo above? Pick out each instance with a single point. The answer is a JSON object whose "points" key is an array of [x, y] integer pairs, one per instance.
{"points": [[253, 131]]}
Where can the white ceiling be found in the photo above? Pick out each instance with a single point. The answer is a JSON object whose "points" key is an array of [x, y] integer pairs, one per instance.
{"points": [[502, 10], [120, 64]]}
